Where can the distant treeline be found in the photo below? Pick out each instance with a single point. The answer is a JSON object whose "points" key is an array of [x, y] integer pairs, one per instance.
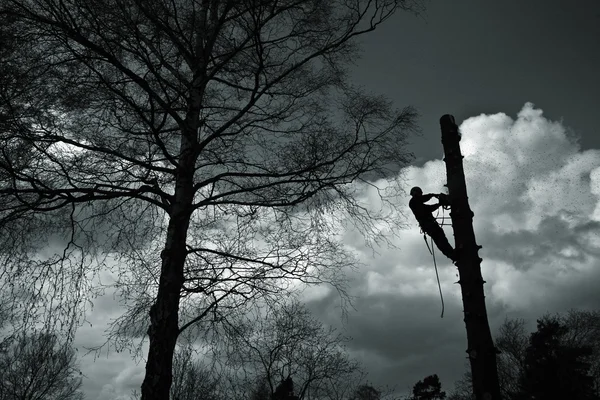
{"points": [[560, 360]]}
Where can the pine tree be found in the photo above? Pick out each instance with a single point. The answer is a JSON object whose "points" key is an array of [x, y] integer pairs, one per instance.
{"points": [[429, 388], [554, 369]]}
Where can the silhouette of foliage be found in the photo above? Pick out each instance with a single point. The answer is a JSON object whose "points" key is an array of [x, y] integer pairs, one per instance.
{"points": [[430, 388], [261, 390], [191, 378], [274, 352], [463, 388], [285, 341], [512, 341], [554, 369], [285, 390], [38, 367], [366, 392], [575, 339]]}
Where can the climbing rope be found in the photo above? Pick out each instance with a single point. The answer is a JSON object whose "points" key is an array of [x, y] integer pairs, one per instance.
{"points": [[431, 251]]}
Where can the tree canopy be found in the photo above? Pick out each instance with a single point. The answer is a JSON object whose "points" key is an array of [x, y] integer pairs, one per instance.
{"points": [[37, 366], [205, 152], [553, 368], [430, 388]]}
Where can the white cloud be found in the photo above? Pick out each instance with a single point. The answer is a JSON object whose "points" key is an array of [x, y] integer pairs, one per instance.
{"points": [[522, 171]]}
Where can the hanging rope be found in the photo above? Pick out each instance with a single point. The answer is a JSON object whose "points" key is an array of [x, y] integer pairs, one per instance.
{"points": [[431, 251]]}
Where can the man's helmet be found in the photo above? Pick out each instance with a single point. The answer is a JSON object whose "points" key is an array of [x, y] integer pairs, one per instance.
{"points": [[416, 191]]}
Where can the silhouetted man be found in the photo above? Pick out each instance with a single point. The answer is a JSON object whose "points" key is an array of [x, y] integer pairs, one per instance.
{"points": [[427, 221]]}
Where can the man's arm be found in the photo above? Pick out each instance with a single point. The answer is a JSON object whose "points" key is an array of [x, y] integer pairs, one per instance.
{"points": [[426, 197]]}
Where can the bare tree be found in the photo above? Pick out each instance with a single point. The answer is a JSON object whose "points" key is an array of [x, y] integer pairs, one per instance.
{"points": [[512, 340], [584, 331], [39, 367], [262, 355], [366, 392], [204, 150], [287, 342], [191, 378], [463, 388], [260, 390]]}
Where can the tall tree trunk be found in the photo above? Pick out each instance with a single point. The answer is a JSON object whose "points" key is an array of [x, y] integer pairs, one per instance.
{"points": [[164, 313], [481, 349], [164, 324], [164, 321]]}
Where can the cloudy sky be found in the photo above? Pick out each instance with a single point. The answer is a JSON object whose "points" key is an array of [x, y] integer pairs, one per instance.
{"points": [[521, 79]]}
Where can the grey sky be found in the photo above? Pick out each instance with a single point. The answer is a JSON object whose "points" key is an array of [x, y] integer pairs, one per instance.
{"points": [[471, 57], [539, 222]]}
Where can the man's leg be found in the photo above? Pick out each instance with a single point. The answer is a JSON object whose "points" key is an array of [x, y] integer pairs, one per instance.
{"points": [[439, 237]]}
